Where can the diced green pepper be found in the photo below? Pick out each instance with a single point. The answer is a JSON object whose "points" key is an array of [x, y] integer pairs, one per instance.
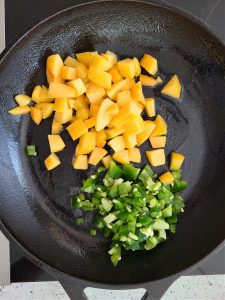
{"points": [[107, 204], [176, 174], [173, 228], [124, 188], [110, 218], [151, 243], [160, 224], [31, 150], [145, 174], [167, 212], [172, 220], [76, 202], [79, 221], [87, 205], [130, 172], [115, 253], [162, 234], [179, 186], [101, 169], [98, 220], [89, 184], [115, 171], [113, 192], [93, 232]]}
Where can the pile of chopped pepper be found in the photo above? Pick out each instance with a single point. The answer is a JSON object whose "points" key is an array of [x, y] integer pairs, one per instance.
{"points": [[132, 206]]}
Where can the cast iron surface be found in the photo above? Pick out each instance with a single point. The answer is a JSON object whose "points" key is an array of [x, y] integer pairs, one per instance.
{"points": [[35, 204]]}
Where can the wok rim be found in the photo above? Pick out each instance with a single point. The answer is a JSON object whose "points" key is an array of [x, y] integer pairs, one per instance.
{"points": [[7, 232]]}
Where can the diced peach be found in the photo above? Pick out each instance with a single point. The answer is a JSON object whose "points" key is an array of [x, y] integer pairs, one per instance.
{"points": [[94, 92], [126, 68], [112, 132], [137, 93], [60, 90], [87, 143], [156, 157], [116, 76], [64, 116], [149, 63], [100, 138], [123, 98], [94, 109], [116, 88], [134, 155], [80, 162], [129, 83], [117, 143], [86, 57], [82, 113], [145, 134], [100, 77], [82, 70], [19, 110], [137, 67], [70, 62], [53, 68], [159, 79], [36, 115], [107, 161], [158, 141], [71, 102], [160, 128], [47, 109], [135, 127], [101, 63], [61, 104], [56, 127], [56, 143], [148, 81], [129, 140], [78, 86], [111, 57], [126, 114], [36, 93], [172, 88], [150, 107], [77, 129], [96, 155], [43, 96], [177, 160], [122, 157], [103, 117], [89, 123], [22, 100], [166, 178], [68, 73], [52, 161], [80, 102]]}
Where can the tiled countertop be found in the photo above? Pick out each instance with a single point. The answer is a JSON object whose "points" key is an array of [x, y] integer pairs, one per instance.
{"points": [[188, 287]]}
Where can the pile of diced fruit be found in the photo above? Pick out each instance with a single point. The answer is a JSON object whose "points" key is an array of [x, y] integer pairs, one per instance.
{"points": [[102, 99]]}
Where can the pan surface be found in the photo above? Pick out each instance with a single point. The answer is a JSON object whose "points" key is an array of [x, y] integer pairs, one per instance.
{"points": [[35, 204]]}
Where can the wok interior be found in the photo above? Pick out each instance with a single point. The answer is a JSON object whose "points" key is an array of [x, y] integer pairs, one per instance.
{"points": [[35, 203]]}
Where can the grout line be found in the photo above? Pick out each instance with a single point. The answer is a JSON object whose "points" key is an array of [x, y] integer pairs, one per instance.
{"points": [[4, 243], [2, 25]]}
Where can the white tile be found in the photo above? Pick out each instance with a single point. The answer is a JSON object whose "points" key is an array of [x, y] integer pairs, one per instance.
{"points": [[205, 287], [2, 25], [4, 260]]}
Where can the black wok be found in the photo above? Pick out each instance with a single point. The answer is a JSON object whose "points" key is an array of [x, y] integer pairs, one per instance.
{"points": [[35, 204]]}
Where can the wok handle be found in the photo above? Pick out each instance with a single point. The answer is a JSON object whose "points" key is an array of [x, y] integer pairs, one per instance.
{"points": [[156, 289], [75, 287]]}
